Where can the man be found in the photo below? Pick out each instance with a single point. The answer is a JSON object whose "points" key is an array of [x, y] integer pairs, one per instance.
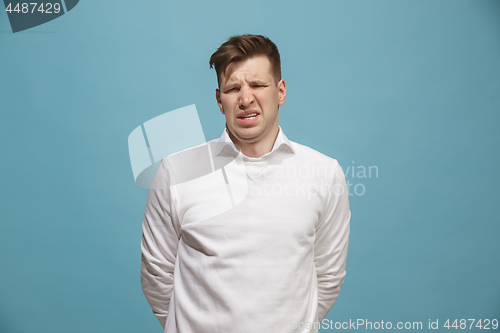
{"points": [[249, 232]]}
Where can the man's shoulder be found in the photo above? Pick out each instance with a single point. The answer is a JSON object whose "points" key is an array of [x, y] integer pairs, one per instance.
{"points": [[309, 154], [191, 152], [317, 165], [190, 163]]}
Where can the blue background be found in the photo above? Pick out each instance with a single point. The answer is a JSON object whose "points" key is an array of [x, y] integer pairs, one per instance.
{"points": [[411, 87]]}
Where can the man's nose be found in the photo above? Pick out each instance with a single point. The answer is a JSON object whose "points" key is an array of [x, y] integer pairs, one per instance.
{"points": [[246, 97]]}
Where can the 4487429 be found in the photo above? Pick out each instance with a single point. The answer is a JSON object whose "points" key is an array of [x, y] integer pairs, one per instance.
{"points": [[463, 324]]}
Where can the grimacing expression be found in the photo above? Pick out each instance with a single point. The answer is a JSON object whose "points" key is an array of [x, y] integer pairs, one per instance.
{"points": [[250, 99]]}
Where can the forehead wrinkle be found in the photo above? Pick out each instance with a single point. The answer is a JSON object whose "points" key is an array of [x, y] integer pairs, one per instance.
{"points": [[251, 75], [231, 82], [251, 80], [257, 80]]}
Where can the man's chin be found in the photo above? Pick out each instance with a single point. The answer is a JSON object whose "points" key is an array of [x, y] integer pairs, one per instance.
{"points": [[249, 135]]}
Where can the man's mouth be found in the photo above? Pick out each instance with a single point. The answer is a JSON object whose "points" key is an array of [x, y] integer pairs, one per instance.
{"points": [[249, 116]]}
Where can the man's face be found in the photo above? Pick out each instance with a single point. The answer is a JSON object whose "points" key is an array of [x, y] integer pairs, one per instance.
{"points": [[250, 98]]}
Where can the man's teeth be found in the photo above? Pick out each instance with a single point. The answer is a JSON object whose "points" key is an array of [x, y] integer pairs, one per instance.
{"points": [[250, 116]]}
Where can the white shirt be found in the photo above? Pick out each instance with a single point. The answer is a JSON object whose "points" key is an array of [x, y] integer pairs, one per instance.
{"points": [[239, 244], [226, 140]]}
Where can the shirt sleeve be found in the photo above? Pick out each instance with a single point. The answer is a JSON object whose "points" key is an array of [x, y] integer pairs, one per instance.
{"points": [[332, 240], [161, 233]]}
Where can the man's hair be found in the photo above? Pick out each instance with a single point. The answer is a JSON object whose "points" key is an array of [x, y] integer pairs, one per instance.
{"points": [[239, 48]]}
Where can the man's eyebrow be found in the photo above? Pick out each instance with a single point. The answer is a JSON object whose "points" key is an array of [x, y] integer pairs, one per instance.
{"points": [[237, 82], [258, 81], [231, 83]]}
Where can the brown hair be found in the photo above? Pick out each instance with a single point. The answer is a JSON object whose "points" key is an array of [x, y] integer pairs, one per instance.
{"points": [[243, 47]]}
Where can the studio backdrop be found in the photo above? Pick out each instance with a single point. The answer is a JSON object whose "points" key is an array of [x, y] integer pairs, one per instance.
{"points": [[404, 94]]}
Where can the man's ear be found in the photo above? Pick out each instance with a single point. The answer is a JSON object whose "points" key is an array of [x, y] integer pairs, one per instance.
{"points": [[219, 102], [281, 92]]}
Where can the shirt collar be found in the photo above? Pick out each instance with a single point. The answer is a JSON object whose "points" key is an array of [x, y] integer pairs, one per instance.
{"points": [[225, 140]]}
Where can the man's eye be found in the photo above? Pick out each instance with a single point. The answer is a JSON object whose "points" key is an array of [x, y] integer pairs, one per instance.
{"points": [[232, 89]]}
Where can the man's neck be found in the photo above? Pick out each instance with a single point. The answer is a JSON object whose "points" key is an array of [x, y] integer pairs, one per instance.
{"points": [[258, 148]]}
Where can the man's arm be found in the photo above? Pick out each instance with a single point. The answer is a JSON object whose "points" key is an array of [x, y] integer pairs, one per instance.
{"points": [[161, 233], [332, 240]]}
